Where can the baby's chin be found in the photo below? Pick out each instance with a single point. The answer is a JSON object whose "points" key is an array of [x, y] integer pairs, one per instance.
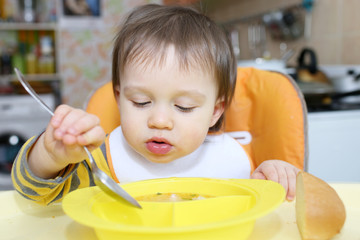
{"points": [[161, 158], [165, 158]]}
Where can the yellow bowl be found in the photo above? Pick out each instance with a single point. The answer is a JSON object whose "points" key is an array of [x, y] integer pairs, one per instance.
{"points": [[230, 214]]}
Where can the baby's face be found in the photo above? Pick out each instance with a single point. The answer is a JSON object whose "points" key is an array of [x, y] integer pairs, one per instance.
{"points": [[166, 112]]}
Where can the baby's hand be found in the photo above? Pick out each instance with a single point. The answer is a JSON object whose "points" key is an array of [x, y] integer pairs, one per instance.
{"points": [[70, 129], [278, 171], [74, 126], [62, 143]]}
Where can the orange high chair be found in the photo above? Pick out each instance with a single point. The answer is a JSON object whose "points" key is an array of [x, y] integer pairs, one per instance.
{"points": [[266, 104]]}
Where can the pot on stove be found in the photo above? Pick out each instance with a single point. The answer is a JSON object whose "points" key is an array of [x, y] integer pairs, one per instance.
{"points": [[349, 82], [348, 86], [307, 69]]}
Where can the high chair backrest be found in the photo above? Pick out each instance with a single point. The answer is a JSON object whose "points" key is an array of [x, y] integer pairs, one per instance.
{"points": [[102, 103], [271, 107], [267, 105]]}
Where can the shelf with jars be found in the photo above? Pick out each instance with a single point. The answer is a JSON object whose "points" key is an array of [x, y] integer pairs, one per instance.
{"points": [[29, 40]]}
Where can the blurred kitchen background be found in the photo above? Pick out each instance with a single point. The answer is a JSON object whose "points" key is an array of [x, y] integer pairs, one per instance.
{"points": [[66, 55]]}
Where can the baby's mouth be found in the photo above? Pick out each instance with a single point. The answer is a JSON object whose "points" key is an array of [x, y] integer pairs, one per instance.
{"points": [[158, 146]]}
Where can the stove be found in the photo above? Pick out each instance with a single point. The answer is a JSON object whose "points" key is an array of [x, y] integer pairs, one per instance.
{"points": [[333, 127], [320, 97]]}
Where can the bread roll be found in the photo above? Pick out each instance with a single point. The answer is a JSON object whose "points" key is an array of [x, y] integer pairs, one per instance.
{"points": [[320, 213]]}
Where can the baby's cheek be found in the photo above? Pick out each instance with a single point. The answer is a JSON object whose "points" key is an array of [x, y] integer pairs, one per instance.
{"points": [[131, 129], [195, 138]]}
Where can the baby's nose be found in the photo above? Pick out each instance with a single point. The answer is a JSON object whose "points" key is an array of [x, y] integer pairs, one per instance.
{"points": [[161, 118]]}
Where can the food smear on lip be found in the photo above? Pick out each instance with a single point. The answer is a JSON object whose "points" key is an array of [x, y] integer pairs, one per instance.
{"points": [[158, 147]]}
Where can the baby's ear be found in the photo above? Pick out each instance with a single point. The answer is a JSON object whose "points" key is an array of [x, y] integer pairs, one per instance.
{"points": [[218, 111], [117, 94]]}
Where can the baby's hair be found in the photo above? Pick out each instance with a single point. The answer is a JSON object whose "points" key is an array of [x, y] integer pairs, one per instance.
{"points": [[199, 43]]}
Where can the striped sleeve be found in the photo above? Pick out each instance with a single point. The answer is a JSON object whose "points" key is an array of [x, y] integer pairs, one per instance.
{"points": [[47, 191]]}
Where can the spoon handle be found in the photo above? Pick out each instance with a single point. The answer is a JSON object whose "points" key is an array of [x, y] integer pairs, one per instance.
{"points": [[30, 90]]}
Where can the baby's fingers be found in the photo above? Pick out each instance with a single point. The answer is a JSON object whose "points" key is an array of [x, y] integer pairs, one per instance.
{"points": [[92, 138], [64, 119], [258, 175], [292, 184], [59, 115], [270, 172], [83, 124], [282, 177], [74, 123]]}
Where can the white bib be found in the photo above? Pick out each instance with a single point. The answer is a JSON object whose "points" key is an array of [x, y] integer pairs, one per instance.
{"points": [[220, 156]]}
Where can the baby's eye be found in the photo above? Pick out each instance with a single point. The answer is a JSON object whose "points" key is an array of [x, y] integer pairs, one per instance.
{"points": [[185, 109], [141, 104]]}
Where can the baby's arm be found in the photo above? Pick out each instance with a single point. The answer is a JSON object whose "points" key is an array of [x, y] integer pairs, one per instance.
{"points": [[62, 143], [278, 171]]}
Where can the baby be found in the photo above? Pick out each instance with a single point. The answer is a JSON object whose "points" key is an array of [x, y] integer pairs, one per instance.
{"points": [[173, 76]]}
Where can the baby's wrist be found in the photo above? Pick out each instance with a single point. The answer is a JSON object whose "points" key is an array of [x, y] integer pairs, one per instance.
{"points": [[41, 163]]}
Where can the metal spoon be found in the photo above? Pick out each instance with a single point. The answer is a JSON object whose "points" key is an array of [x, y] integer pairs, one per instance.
{"points": [[101, 179]]}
